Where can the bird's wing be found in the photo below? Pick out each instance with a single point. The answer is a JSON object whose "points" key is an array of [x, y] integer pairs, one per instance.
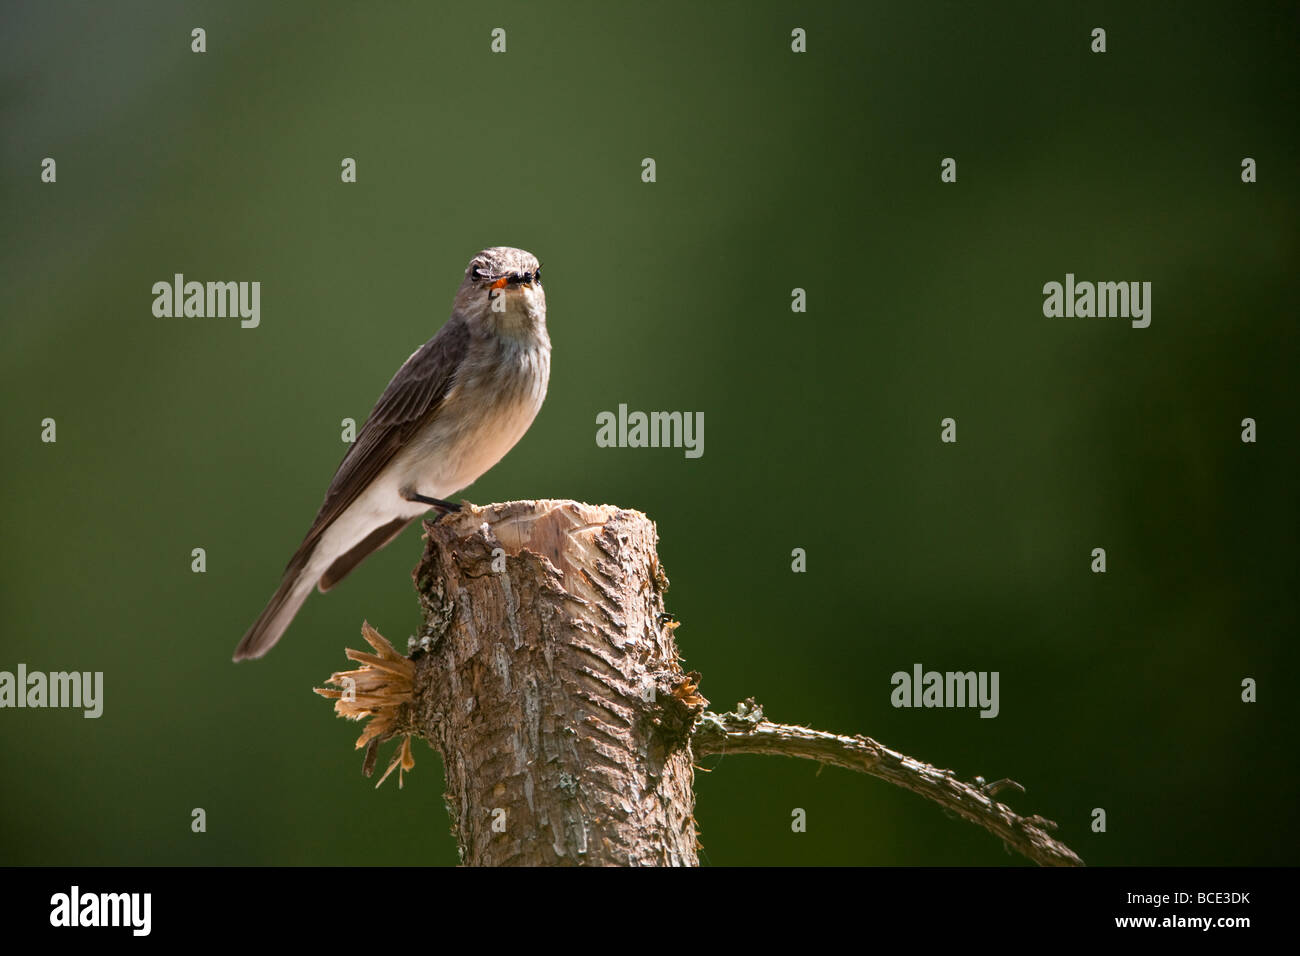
{"points": [[414, 395]]}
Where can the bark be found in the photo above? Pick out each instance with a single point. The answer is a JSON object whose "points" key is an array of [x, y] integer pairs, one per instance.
{"points": [[545, 675]]}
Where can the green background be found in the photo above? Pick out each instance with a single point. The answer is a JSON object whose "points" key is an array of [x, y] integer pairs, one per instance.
{"points": [[775, 171]]}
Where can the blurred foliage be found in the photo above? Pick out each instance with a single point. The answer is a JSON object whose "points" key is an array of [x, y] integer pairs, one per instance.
{"points": [[775, 171]]}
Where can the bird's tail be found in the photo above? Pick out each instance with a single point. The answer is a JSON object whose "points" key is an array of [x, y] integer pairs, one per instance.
{"points": [[278, 613]]}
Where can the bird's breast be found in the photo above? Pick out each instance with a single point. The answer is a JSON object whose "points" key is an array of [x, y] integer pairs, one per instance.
{"points": [[494, 401]]}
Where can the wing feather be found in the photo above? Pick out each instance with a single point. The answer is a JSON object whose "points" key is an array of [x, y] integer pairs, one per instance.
{"points": [[413, 396]]}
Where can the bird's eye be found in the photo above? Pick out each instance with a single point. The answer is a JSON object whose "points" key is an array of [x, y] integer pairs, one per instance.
{"points": [[537, 274], [477, 273]]}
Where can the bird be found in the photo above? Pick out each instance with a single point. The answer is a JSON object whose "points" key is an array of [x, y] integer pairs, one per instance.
{"points": [[451, 412]]}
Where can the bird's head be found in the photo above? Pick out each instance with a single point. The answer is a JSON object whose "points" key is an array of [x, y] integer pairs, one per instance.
{"points": [[502, 292]]}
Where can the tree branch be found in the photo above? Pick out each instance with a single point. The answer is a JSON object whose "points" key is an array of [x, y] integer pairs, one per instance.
{"points": [[746, 732]]}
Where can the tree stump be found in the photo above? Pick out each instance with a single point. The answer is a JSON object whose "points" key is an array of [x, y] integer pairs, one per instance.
{"points": [[547, 675]]}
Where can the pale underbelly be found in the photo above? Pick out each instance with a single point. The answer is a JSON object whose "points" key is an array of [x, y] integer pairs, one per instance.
{"points": [[438, 463]]}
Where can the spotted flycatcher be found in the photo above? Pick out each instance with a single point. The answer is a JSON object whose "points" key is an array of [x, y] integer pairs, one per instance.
{"points": [[450, 413]]}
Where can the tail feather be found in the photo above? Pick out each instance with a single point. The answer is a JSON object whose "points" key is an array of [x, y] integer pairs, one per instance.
{"points": [[277, 615]]}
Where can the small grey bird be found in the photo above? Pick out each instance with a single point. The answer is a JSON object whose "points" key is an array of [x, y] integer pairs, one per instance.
{"points": [[451, 412]]}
